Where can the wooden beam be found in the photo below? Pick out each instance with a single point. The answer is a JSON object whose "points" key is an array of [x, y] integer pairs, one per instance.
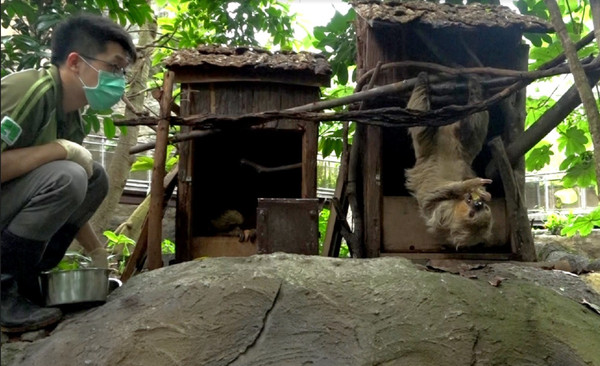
{"points": [[191, 74], [520, 230], [158, 174]]}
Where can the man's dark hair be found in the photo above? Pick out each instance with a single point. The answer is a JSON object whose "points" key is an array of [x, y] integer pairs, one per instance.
{"points": [[88, 34]]}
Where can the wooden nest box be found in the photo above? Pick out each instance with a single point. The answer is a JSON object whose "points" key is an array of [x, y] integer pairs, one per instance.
{"points": [[451, 35], [222, 176]]}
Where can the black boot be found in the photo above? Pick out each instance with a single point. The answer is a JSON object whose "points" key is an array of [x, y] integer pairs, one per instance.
{"points": [[19, 259], [18, 314]]}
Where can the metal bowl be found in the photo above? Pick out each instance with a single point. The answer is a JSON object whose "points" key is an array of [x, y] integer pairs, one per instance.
{"points": [[86, 285]]}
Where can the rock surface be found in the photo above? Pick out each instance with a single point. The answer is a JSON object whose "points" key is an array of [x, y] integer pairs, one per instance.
{"points": [[286, 309]]}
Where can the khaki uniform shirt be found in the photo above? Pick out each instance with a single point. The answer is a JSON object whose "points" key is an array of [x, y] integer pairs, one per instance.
{"points": [[32, 99]]}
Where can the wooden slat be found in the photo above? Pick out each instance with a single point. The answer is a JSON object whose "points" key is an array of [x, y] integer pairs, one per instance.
{"points": [[158, 174], [183, 226]]}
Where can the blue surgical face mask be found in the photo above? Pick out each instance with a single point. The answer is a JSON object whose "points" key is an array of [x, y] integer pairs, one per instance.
{"points": [[107, 93]]}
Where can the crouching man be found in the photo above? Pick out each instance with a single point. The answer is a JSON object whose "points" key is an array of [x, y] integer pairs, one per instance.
{"points": [[50, 186]]}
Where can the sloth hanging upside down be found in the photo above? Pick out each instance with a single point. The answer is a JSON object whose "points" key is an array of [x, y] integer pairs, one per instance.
{"points": [[451, 198]]}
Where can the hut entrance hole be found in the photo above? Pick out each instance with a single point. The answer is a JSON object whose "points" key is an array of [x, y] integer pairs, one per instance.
{"points": [[225, 178]]}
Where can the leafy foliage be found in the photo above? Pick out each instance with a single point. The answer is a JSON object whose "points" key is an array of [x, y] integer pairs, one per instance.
{"points": [[583, 224], [144, 163], [579, 170], [189, 23], [71, 261], [337, 42], [122, 245], [32, 23], [571, 224], [331, 133], [574, 136]]}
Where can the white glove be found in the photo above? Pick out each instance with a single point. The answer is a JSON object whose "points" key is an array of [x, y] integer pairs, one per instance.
{"points": [[99, 258], [78, 154]]}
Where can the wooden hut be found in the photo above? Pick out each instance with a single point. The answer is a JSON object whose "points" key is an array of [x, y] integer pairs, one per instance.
{"points": [[223, 176], [451, 35]]}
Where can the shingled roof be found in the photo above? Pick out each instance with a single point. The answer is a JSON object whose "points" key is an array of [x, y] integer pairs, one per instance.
{"points": [[448, 15], [256, 59]]}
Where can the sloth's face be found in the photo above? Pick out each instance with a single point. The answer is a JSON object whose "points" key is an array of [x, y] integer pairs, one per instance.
{"points": [[476, 204], [473, 211], [471, 222]]}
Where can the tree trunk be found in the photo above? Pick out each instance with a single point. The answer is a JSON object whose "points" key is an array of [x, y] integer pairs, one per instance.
{"points": [[132, 227], [585, 91], [120, 166], [595, 5]]}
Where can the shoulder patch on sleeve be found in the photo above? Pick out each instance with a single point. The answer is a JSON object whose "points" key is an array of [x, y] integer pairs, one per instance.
{"points": [[11, 131]]}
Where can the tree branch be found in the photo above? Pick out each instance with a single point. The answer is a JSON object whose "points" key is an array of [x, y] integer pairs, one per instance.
{"points": [[263, 169]]}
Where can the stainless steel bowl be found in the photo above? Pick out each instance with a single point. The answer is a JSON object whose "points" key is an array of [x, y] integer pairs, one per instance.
{"points": [[77, 286]]}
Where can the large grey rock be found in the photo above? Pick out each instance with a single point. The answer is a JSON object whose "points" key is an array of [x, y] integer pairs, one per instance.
{"points": [[295, 310]]}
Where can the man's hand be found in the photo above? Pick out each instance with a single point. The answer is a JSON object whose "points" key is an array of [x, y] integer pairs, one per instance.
{"points": [[78, 154], [99, 258]]}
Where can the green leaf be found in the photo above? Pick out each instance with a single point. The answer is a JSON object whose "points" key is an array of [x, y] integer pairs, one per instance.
{"points": [[142, 163], [538, 157], [319, 32], [171, 162], [535, 39], [572, 159], [581, 173], [124, 239], [327, 148], [572, 140], [111, 236], [45, 22], [109, 127]]}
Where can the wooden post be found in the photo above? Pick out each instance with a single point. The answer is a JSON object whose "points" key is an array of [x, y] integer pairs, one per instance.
{"points": [[158, 175], [309, 163], [520, 230], [373, 195], [183, 234]]}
